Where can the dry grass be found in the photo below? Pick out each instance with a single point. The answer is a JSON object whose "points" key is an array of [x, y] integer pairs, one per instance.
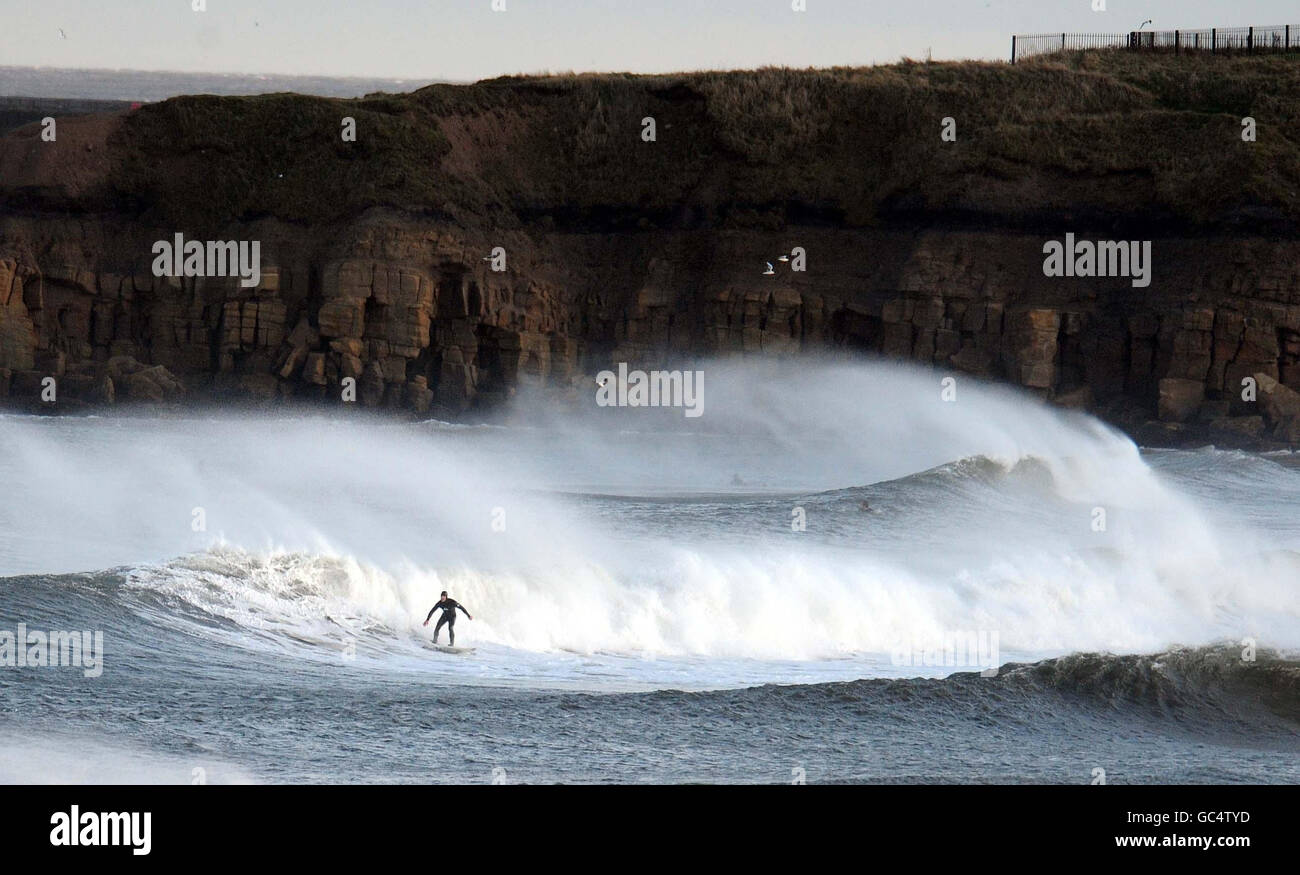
{"points": [[1113, 136]]}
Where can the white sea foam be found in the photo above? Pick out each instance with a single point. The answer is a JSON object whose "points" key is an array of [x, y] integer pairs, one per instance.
{"points": [[320, 530]]}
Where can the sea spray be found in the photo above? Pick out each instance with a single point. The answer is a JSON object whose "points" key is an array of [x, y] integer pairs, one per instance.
{"points": [[638, 537]]}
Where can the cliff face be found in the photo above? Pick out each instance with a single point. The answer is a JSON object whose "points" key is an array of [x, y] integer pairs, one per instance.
{"points": [[375, 254]]}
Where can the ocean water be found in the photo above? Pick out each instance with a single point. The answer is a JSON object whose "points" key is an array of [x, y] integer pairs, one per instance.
{"points": [[777, 590]]}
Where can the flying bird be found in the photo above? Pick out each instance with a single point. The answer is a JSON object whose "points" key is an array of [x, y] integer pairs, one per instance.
{"points": [[784, 258], [62, 35], [769, 270]]}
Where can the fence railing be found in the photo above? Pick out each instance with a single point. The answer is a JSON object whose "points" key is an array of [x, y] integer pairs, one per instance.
{"points": [[1216, 40]]}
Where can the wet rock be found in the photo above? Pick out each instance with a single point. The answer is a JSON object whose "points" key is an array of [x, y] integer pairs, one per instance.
{"points": [[1077, 399], [1281, 406], [261, 386], [418, 395], [1033, 347], [155, 384], [370, 390], [1246, 426], [1180, 399], [313, 370], [1213, 409]]}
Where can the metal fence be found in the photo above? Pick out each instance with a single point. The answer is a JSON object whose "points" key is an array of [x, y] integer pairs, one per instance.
{"points": [[1215, 40]]}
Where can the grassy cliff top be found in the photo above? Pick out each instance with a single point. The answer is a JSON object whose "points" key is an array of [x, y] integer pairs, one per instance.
{"points": [[1092, 138]]}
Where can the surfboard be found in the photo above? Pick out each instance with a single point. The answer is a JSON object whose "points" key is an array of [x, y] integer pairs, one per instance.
{"points": [[446, 649]]}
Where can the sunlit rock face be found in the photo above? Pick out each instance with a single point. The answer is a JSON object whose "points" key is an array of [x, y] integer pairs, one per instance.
{"points": [[475, 240]]}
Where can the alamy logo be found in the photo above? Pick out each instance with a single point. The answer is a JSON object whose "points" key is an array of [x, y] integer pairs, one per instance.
{"points": [[215, 258], [967, 649], [653, 389], [40, 649], [1105, 258], [99, 828]]}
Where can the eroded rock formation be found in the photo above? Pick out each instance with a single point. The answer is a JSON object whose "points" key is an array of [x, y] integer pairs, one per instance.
{"points": [[403, 299]]}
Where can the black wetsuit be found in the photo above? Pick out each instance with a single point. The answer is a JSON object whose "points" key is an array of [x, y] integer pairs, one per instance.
{"points": [[448, 616]]}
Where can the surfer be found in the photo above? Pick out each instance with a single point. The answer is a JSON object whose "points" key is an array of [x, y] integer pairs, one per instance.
{"points": [[448, 607]]}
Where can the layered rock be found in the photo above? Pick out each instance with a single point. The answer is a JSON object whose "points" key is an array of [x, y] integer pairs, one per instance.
{"points": [[652, 253], [413, 315], [1281, 407]]}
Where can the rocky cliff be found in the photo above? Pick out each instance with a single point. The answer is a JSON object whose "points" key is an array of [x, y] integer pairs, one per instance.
{"points": [[614, 245]]}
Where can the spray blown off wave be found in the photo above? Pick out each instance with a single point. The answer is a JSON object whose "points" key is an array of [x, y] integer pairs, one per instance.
{"points": [[639, 533]]}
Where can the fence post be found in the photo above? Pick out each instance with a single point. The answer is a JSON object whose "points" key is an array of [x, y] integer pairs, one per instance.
{"points": [[1288, 37], [1062, 42], [1250, 38], [1175, 42], [1013, 48], [1214, 39]]}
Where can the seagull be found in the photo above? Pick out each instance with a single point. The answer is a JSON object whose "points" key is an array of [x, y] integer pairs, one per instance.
{"points": [[784, 258], [602, 382], [62, 35], [769, 271]]}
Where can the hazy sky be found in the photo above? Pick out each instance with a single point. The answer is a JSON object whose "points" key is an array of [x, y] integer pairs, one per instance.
{"points": [[465, 39]]}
